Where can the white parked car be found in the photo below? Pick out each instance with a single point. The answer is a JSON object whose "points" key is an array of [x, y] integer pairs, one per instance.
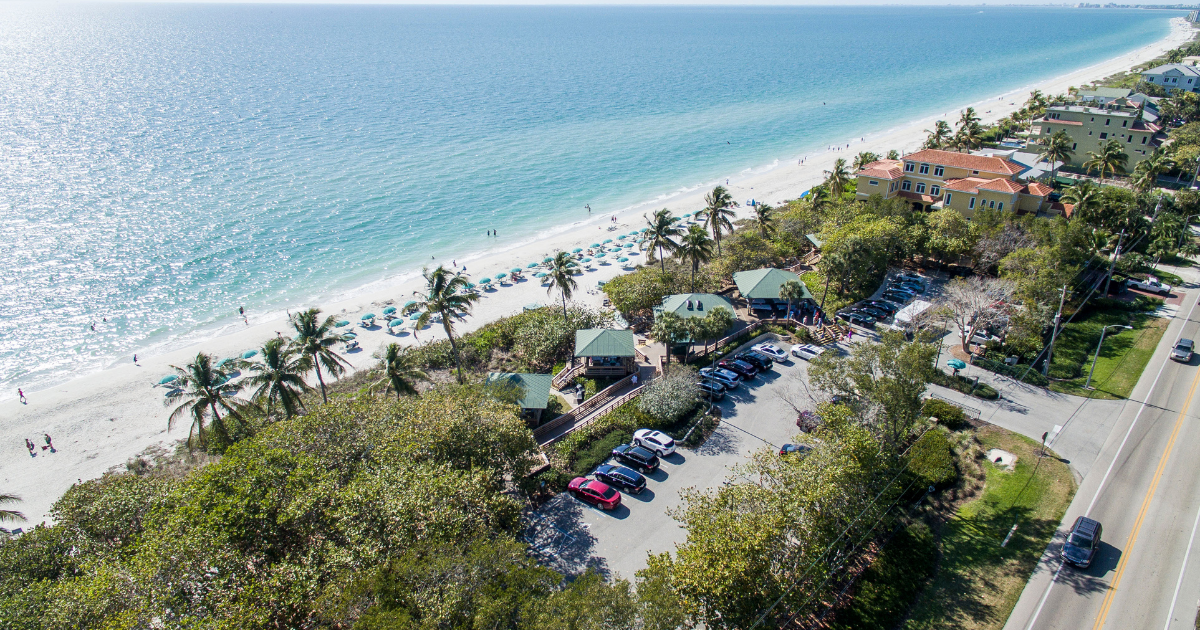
{"points": [[1150, 285], [729, 379], [656, 442], [771, 350], [806, 351]]}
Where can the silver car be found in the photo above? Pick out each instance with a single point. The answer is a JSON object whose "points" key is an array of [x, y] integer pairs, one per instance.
{"points": [[729, 379]]}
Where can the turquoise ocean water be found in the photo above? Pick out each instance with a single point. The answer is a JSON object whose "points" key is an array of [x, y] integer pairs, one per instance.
{"points": [[162, 165]]}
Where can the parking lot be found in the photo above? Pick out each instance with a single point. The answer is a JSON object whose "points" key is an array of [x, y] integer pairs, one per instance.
{"points": [[570, 535]]}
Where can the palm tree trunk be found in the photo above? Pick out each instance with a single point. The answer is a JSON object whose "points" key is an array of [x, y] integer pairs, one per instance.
{"points": [[662, 264], [695, 265], [217, 423], [320, 380], [453, 346], [564, 299]]}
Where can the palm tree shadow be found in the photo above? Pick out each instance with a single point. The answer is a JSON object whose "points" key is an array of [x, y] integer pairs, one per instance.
{"points": [[559, 539]]}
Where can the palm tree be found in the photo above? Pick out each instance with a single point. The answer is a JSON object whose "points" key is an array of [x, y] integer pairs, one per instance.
{"points": [[818, 196], [1145, 174], [837, 179], [763, 219], [562, 277], [399, 371], [662, 227], [668, 328], [718, 215], [791, 291], [893, 155], [203, 389], [315, 339], [1111, 158], [446, 295], [1085, 195], [697, 247], [279, 376], [10, 516], [1057, 151], [863, 159], [968, 119], [939, 136]]}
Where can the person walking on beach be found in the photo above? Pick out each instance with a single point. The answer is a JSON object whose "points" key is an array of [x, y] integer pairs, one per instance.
{"points": [[21, 395], [32, 450], [49, 444], [135, 359]]}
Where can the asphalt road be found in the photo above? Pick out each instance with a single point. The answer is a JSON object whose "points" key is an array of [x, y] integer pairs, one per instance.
{"points": [[572, 536], [1145, 489]]}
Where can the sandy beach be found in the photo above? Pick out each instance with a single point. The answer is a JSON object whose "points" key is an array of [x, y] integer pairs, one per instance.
{"points": [[98, 421]]}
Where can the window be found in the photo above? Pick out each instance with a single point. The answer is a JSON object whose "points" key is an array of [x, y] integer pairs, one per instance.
{"points": [[939, 171], [924, 169], [1049, 131], [935, 190], [921, 188], [1106, 121], [993, 204], [873, 182], [1089, 132], [907, 185], [1144, 139], [1103, 136], [1093, 119], [1001, 206], [974, 172], [1124, 123], [948, 197], [971, 204], [1073, 145], [1130, 138], [908, 167]]}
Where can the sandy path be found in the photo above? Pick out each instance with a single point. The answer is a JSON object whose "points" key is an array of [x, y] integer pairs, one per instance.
{"points": [[100, 420]]}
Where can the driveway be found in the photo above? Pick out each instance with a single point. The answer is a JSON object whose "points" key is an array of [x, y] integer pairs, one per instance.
{"points": [[571, 536]]}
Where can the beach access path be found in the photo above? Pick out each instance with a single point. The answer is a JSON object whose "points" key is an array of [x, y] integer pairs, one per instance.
{"points": [[99, 421]]}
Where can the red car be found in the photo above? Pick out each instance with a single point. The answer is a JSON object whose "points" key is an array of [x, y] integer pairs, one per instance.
{"points": [[595, 492]]}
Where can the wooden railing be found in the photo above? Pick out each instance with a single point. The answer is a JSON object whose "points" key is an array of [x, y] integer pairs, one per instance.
{"points": [[588, 406], [568, 374], [597, 413]]}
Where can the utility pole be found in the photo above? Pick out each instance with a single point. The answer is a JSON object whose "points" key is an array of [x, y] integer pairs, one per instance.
{"points": [[1113, 264], [1054, 334]]}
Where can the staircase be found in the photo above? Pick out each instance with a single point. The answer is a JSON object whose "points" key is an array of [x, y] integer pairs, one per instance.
{"points": [[825, 335]]}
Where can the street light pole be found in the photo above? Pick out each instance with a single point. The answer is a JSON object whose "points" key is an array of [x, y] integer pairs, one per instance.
{"points": [[1187, 228], [1102, 333]]}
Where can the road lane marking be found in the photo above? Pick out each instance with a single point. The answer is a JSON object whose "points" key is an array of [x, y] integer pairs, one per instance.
{"points": [[1137, 525], [1113, 463], [1182, 570]]}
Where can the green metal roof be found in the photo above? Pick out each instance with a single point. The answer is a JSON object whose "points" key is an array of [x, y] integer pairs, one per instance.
{"points": [[535, 388], [763, 284], [603, 342], [814, 239], [701, 304]]}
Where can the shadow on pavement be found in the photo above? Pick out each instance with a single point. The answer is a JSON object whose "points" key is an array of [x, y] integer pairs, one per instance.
{"points": [[722, 441], [559, 539]]}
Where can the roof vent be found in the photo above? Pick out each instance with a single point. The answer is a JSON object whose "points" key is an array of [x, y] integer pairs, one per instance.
{"points": [[699, 305], [690, 305]]}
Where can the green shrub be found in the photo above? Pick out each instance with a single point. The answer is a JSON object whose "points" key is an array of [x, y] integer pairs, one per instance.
{"points": [[1019, 372], [986, 392], [889, 586], [950, 416], [586, 460], [1063, 371], [931, 460]]}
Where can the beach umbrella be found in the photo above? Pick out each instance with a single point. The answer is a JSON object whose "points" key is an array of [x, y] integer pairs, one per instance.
{"points": [[622, 259], [644, 230], [414, 317], [576, 250], [470, 285], [587, 260], [349, 336], [614, 250], [622, 237], [607, 241], [594, 245], [601, 255], [368, 316], [956, 364], [532, 265], [547, 259], [627, 245], [634, 233], [170, 378], [632, 252], [501, 275], [515, 270], [223, 362], [485, 281], [342, 324], [540, 275], [389, 310], [395, 322], [249, 354]]}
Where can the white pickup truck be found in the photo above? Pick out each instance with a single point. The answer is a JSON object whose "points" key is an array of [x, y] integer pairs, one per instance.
{"points": [[1150, 284]]}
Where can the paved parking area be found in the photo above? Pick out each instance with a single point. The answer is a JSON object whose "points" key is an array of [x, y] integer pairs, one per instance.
{"points": [[571, 536]]}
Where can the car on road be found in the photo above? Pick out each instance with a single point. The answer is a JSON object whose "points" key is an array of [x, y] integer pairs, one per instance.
{"points": [[882, 305], [907, 287], [1082, 543], [806, 351], [741, 368], [729, 380], [910, 276], [1150, 285], [787, 449], [656, 442], [621, 477], [1183, 349], [771, 350], [856, 317], [637, 457], [760, 362], [711, 390], [900, 297], [595, 492]]}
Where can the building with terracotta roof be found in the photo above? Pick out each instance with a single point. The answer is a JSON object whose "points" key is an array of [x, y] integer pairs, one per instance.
{"points": [[933, 179], [1090, 127]]}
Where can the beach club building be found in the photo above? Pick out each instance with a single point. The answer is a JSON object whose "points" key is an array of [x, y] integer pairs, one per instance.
{"points": [[932, 179], [606, 352], [761, 287], [1090, 127], [533, 391], [1174, 76], [688, 305]]}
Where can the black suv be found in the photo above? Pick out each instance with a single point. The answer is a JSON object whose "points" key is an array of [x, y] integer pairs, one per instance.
{"points": [[873, 311], [621, 477], [882, 305], [637, 457], [757, 360], [1082, 542], [741, 368]]}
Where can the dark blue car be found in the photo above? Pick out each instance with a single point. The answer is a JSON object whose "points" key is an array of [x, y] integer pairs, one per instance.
{"points": [[621, 477]]}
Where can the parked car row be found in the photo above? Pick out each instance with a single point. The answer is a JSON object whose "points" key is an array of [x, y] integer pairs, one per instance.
{"points": [[610, 479], [730, 372], [901, 289]]}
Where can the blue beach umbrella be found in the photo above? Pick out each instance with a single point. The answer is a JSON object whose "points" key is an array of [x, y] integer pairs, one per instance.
{"points": [[485, 281], [956, 364], [515, 270], [634, 233], [223, 362], [532, 265], [349, 336], [577, 250], [342, 324], [601, 255], [395, 322], [170, 378], [414, 317], [470, 285], [622, 237], [587, 260], [501, 275], [614, 250], [594, 245], [540, 275], [389, 310], [249, 354], [622, 259], [644, 230], [547, 259], [627, 245], [368, 316], [409, 303], [607, 241]]}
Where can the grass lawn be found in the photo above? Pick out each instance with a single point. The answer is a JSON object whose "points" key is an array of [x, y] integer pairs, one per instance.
{"points": [[1122, 358], [978, 582]]}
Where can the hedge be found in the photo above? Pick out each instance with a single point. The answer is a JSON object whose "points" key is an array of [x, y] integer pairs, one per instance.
{"points": [[950, 416]]}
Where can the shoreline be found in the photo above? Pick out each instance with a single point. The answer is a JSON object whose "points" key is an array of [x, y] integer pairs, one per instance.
{"points": [[101, 419]]}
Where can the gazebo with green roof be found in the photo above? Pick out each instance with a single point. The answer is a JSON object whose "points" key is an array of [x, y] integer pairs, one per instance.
{"points": [[687, 305], [761, 287], [606, 352], [534, 391]]}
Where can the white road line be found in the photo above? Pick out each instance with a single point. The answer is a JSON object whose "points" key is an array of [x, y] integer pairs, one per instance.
{"points": [[1111, 465], [1182, 570]]}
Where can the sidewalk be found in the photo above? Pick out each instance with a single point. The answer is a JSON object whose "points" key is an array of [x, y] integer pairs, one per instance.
{"points": [[645, 375]]}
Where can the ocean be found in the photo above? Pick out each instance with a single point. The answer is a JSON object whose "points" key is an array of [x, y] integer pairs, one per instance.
{"points": [[162, 165]]}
